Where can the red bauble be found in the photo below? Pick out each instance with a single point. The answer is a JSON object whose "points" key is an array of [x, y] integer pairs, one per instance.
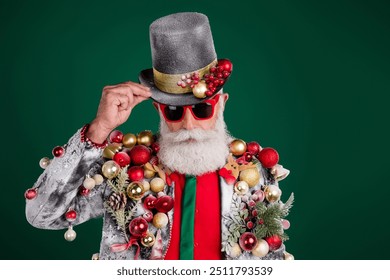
{"points": [[274, 242], [150, 202], [225, 65], [58, 151], [154, 160], [71, 215], [148, 216], [83, 191], [138, 227], [116, 136], [136, 173], [31, 193], [140, 154], [155, 148], [253, 148], [122, 159], [268, 157], [248, 157], [248, 241], [164, 204]]}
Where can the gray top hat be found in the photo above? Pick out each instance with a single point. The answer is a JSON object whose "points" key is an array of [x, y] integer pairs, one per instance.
{"points": [[183, 58]]}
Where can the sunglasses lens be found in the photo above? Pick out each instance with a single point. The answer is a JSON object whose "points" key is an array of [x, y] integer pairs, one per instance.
{"points": [[173, 113], [202, 110]]}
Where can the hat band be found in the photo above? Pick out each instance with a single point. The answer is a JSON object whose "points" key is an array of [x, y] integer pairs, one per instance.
{"points": [[168, 82]]}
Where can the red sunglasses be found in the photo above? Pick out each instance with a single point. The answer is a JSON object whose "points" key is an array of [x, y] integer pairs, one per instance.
{"points": [[201, 111]]}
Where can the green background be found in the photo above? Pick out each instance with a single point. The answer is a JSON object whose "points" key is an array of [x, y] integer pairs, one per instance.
{"points": [[311, 79]]}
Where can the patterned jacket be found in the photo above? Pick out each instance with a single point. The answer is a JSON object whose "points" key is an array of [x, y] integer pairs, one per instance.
{"points": [[58, 191]]}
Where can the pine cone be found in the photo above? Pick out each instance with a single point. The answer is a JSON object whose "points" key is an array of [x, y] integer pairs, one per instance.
{"points": [[117, 201]]}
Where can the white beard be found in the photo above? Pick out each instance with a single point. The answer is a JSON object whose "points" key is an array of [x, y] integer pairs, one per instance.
{"points": [[196, 151]]}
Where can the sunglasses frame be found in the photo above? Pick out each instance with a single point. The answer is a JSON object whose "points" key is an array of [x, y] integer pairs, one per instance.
{"points": [[212, 101]]}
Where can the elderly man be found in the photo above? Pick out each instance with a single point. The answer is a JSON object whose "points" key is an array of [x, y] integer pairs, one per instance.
{"points": [[191, 191]]}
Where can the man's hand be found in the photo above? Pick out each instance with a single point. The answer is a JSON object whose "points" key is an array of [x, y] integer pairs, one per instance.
{"points": [[115, 107]]}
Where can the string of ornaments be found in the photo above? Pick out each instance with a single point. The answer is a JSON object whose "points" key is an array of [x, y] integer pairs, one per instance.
{"points": [[256, 223]]}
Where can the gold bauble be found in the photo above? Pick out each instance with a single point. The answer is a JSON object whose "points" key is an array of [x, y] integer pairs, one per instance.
{"points": [[110, 169], [288, 256], [146, 185], [241, 187], [129, 140], [135, 190], [148, 240], [272, 193], [98, 179], [44, 162], [238, 147], [149, 173], [235, 251], [157, 185], [111, 150], [160, 220], [89, 183], [145, 138], [261, 249], [251, 176], [200, 89]]}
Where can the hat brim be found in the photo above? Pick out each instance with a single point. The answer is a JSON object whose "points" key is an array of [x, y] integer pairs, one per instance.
{"points": [[146, 79]]}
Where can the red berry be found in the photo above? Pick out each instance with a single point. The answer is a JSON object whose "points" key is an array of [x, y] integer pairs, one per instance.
{"points": [[116, 136], [155, 148], [219, 69], [216, 83], [58, 151], [71, 215], [225, 74], [219, 75], [208, 93], [196, 82], [83, 191], [254, 213], [122, 159], [211, 78], [206, 76], [268, 157], [213, 69], [31, 193], [225, 64], [221, 81], [249, 225]]}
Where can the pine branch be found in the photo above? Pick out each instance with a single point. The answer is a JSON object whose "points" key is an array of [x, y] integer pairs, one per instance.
{"points": [[122, 180], [119, 217], [113, 186]]}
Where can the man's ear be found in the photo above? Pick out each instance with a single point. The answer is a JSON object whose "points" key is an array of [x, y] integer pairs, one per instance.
{"points": [[225, 97]]}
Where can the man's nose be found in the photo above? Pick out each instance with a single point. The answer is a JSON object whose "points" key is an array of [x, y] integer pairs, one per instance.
{"points": [[188, 120]]}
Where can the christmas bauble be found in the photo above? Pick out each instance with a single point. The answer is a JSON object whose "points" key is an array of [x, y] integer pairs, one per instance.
{"points": [[238, 147], [259, 196], [138, 227], [98, 179], [70, 234], [111, 150], [226, 65], [129, 140], [288, 256], [200, 89], [136, 173], [253, 148], [251, 176], [164, 204], [155, 148], [241, 187], [89, 183], [272, 193], [122, 159], [274, 242], [160, 220], [150, 202], [157, 185], [83, 191], [148, 240], [58, 151], [235, 250], [140, 155], [71, 216], [110, 169], [285, 224], [149, 173], [248, 241], [248, 157], [268, 157], [148, 216], [261, 249], [31, 193], [145, 138], [116, 136], [135, 190], [44, 162]]}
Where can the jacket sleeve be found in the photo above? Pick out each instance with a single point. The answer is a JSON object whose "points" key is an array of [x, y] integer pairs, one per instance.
{"points": [[58, 187]]}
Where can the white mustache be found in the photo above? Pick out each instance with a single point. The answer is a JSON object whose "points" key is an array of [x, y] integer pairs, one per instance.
{"points": [[183, 135]]}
